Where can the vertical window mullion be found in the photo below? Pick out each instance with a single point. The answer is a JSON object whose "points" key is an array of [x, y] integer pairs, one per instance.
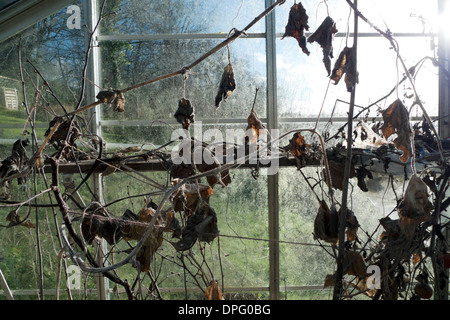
{"points": [[272, 123]]}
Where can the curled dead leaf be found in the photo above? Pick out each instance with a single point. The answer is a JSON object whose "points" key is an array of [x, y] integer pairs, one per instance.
{"points": [[227, 85], [297, 146], [345, 65], [354, 264], [326, 224], [202, 226], [254, 126], [185, 113], [337, 170], [14, 219], [324, 36], [15, 163], [296, 25], [186, 198], [114, 97], [213, 291], [396, 121]]}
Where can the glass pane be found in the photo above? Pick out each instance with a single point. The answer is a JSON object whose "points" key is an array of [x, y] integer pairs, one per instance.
{"points": [[304, 86], [400, 16], [127, 64], [240, 260], [171, 16]]}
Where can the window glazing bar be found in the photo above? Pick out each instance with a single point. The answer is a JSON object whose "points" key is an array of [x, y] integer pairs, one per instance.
{"points": [[173, 36], [272, 179]]}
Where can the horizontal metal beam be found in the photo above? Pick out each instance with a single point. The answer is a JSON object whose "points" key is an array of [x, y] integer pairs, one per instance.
{"points": [[138, 123], [222, 35]]}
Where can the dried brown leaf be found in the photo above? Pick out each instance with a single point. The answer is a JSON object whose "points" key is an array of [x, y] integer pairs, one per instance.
{"points": [[396, 121], [324, 36], [255, 126], [344, 65], [185, 113], [326, 224], [227, 85], [355, 264], [14, 219], [297, 24], [213, 291]]}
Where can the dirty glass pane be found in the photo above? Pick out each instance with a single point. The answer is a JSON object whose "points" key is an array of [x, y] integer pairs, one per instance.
{"points": [[402, 16], [304, 86], [146, 60], [237, 259], [171, 17]]}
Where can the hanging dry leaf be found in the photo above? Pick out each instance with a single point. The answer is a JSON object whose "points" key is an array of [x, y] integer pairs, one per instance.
{"points": [[119, 102], [354, 264], [14, 220], [337, 170], [213, 291], [344, 65], [297, 145], [362, 173], [297, 24], [352, 226], [392, 228], [415, 203], [114, 97], [187, 196], [416, 258], [255, 126], [326, 224], [226, 86], [330, 280], [185, 113], [15, 163], [62, 137], [396, 121], [202, 225], [324, 36], [415, 207]]}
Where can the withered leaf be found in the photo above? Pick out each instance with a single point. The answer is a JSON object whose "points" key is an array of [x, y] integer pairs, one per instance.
{"points": [[202, 225], [396, 121], [14, 220], [352, 226], [186, 198], [62, 132], [15, 162], [324, 36], [415, 207], [361, 174], [227, 85], [119, 102], [297, 145], [326, 224], [415, 203], [392, 229], [337, 173], [223, 177], [255, 126], [344, 65], [354, 263], [297, 24], [114, 97], [213, 291], [185, 113]]}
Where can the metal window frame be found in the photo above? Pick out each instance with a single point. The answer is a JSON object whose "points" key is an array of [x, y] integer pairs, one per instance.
{"points": [[272, 119], [22, 14]]}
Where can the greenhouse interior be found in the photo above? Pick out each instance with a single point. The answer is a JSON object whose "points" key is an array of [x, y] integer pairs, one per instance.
{"points": [[224, 150]]}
